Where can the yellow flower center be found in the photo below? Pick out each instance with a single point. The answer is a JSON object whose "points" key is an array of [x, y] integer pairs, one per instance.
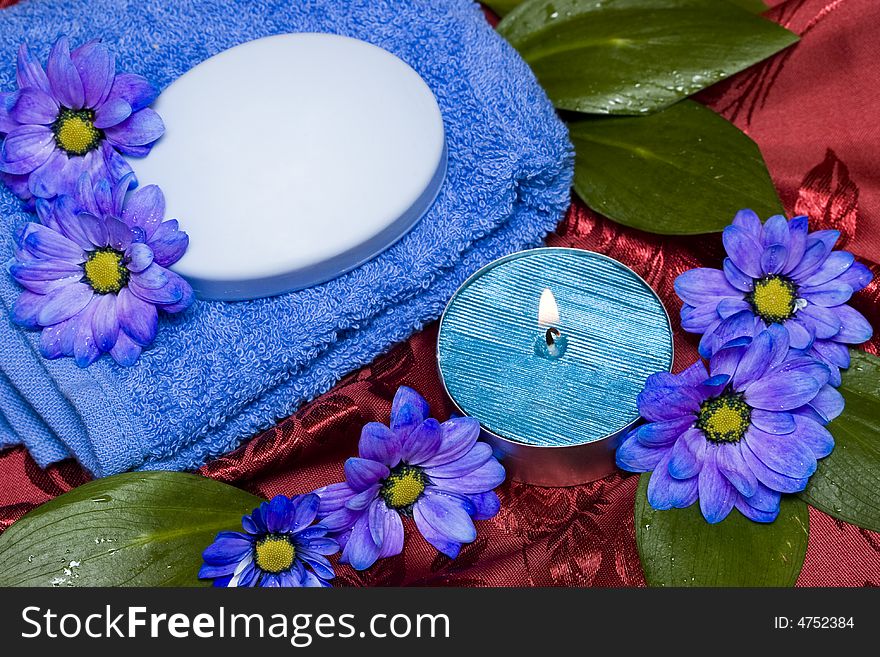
{"points": [[275, 554], [403, 486], [774, 299], [105, 271], [724, 419], [75, 131]]}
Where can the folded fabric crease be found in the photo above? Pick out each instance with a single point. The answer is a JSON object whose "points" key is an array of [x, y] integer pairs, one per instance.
{"points": [[222, 371]]}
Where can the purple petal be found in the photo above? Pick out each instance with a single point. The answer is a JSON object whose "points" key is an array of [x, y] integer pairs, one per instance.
{"points": [[33, 106], [486, 505], [773, 422], [96, 66], [836, 264], [26, 309], [305, 510], [749, 222], [828, 294], [814, 436], [228, 547], [422, 443], [391, 529], [775, 231], [686, 456], [408, 410], [730, 463], [754, 514], [362, 500], [436, 538], [449, 515], [186, 298], [754, 361], [341, 520], [168, 243], [119, 234], [634, 456], [484, 478], [138, 257], [828, 237], [26, 148], [57, 341], [379, 443], [111, 113], [145, 208], [478, 455], [829, 403], [787, 455], [63, 303], [736, 326], [698, 319], [825, 323], [730, 306], [141, 128], [797, 228], [781, 391], [49, 179], [857, 277], [457, 437], [743, 249], [702, 285], [764, 498], [85, 349], [44, 242], [737, 278], [667, 403], [361, 551], [363, 473], [799, 334], [137, 318], [171, 292], [803, 365], [660, 434], [43, 276], [126, 351], [134, 90], [30, 72], [854, 328], [814, 255], [717, 494], [64, 79], [105, 323], [667, 492], [773, 259], [115, 164], [7, 123]]}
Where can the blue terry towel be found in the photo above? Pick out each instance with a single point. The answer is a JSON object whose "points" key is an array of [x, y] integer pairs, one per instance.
{"points": [[223, 371]]}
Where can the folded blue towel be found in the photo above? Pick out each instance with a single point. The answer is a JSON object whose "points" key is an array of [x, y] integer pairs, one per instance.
{"points": [[223, 371]]}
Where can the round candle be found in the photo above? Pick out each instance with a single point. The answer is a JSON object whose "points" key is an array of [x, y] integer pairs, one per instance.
{"points": [[550, 348], [292, 159]]}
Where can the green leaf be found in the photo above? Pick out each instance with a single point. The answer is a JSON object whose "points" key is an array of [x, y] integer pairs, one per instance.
{"points": [[847, 483], [682, 171], [636, 56], [137, 529], [502, 7], [679, 548], [754, 6]]}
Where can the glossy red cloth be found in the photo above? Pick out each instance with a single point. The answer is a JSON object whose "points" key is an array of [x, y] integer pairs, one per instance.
{"points": [[813, 111]]}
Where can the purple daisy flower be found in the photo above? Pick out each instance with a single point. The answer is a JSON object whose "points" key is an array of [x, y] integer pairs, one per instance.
{"points": [[76, 116], [737, 436], [778, 273], [280, 546], [438, 474], [94, 272]]}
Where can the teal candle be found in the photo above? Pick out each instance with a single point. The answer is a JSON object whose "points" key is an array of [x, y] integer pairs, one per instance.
{"points": [[549, 348]]}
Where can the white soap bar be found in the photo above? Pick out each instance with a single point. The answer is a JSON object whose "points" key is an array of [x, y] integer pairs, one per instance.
{"points": [[292, 159]]}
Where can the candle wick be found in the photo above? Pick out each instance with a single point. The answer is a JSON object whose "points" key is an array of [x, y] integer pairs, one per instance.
{"points": [[549, 336]]}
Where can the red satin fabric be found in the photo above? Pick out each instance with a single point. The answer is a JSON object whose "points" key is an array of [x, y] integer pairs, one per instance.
{"points": [[813, 111]]}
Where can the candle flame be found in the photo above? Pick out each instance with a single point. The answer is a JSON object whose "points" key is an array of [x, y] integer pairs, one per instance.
{"points": [[548, 310]]}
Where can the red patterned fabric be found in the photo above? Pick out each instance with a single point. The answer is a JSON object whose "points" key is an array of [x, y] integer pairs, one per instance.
{"points": [[813, 111]]}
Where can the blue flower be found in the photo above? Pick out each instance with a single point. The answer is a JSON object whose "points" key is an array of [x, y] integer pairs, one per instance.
{"points": [[778, 273], [77, 116], [737, 436], [280, 546], [95, 272], [438, 474]]}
